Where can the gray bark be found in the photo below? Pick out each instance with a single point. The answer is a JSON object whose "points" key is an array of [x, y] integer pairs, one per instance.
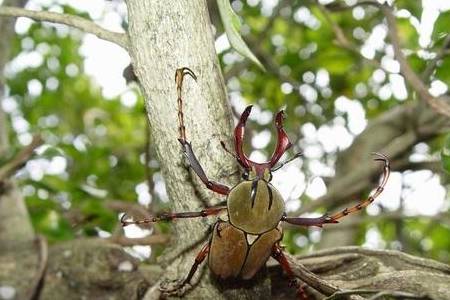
{"points": [[18, 250], [163, 38]]}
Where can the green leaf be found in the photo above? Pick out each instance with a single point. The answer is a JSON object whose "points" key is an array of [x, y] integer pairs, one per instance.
{"points": [[414, 7], [407, 33], [441, 26], [443, 70], [232, 26], [445, 154]]}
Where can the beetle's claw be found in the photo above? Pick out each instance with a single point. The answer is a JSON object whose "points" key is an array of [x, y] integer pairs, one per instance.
{"points": [[123, 220], [328, 219], [174, 287], [380, 156]]}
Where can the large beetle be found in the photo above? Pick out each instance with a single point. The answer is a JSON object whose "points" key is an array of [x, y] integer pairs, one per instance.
{"points": [[242, 244]]}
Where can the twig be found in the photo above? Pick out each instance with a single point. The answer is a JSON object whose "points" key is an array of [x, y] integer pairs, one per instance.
{"points": [[237, 68], [341, 39], [36, 285], [20, 159], [336, 6], [310, 278], [411, 77], [148, 240], [338, 32], [439, 105], [439, 55], [133, 209], [83, 24], [378, 294]]}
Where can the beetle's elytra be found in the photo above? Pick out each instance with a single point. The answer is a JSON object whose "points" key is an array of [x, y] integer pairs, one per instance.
{"points": [[240, 245]]}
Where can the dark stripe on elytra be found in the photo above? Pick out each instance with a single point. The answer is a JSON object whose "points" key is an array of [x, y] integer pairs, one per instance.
{"points": [[269, 190], [248, 251], [253, 192]]}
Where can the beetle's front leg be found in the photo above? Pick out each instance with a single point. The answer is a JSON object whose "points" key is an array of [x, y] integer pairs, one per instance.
{"points": [[186, 145], [180, 287], [326, 219], [278, 255]]}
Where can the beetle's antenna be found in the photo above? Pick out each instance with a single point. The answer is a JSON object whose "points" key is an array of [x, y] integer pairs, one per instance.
{"points": [[232, 154], [123, 220], [297, 155]]}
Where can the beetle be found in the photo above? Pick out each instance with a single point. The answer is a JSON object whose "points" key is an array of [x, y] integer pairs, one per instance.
{"points": [[240, 245]]}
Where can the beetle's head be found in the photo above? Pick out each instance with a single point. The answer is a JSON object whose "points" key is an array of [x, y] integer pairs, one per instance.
{"points": [[254, 170]]}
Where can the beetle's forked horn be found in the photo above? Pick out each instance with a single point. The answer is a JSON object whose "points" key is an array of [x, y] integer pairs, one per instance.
{"points": [[239, 138], [283, 142]]}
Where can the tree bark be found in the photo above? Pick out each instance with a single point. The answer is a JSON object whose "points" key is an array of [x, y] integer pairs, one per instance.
{"points": [[355, 268], [163, 38]]}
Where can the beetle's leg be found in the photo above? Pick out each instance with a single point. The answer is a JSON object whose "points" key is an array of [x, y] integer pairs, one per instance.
{"points": [[278, 255], [178, 288], [171, 216], [186, 145], [334, 218]]}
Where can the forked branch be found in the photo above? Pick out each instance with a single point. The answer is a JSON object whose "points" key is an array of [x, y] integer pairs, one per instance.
{"points": [[413, 79], [20, 159], [83, 24]]}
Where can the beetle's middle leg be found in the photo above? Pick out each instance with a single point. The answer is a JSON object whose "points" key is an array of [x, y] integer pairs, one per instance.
{"points": [[178, 288], [210, 211], [278, 255], [186, 145]]}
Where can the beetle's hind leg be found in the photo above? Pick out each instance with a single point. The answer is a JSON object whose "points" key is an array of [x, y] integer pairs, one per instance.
{"points": [[278, 255], [179, 288], [186, 145]]}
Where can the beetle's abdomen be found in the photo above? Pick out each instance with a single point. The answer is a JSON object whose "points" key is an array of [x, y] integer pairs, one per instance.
{"points": [[260, 252], [227, 251], [255, 206], [234, 254]]}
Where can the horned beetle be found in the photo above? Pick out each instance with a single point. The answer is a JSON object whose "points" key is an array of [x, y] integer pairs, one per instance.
{"points": [[240, 246]]}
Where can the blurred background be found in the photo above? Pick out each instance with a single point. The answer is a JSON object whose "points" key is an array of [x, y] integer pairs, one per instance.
{"points": [[332, 70]]}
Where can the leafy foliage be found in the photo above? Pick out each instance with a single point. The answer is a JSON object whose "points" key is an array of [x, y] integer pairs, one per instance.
{"points": [[321, 84]]}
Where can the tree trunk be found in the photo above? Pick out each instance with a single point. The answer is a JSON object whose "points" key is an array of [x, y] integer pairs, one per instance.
{"points": [[163, 38], [18, 251]]}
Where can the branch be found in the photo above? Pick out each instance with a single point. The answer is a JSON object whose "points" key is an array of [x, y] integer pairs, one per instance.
{"points": [[83, 24], [378, 294], [439, 105], [148, 240], [341, 39], [20, 159], [413, 79], [352, 271], [36, 285], [404, 164], [310, 278], [239, 67], [439, 55]]}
